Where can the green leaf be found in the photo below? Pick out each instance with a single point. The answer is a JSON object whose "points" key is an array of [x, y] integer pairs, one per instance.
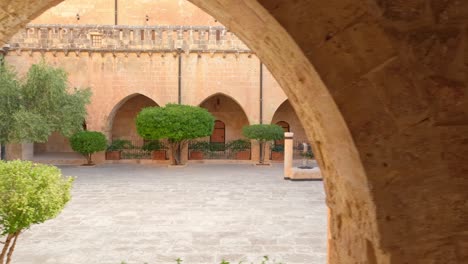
{"points": [[30, 194], [88, 142], [43, 103], [263, 133]]}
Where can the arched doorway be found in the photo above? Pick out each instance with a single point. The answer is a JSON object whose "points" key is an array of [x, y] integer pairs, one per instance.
{"points": [[285, 116], [229, 115], [230, 119], [123, 126], [123, 116]]}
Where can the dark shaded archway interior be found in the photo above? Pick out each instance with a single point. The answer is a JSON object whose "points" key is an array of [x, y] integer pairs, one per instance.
{"points": [[225, 109], [123, 125], [286, 113]]}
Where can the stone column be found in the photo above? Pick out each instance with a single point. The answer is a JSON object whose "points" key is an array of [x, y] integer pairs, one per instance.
{"points": [[288, 154]]}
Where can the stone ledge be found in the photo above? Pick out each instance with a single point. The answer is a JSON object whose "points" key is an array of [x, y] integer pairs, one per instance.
{"points": [[298, 174]]}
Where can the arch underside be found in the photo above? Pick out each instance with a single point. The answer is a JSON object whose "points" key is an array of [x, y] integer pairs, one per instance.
{"points": [[123, 124], [380, 87]]}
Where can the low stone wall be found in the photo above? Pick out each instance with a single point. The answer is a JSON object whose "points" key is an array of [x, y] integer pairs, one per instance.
{"points": [[298, 174]]}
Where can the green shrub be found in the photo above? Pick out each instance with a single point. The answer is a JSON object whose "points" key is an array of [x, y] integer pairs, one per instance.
{"points": [[177, 123], [238, 145], [207, 147], [119, 144], [203, 146], [217, 146], [262, 134], [277, 148], [153, 145], [308, 154], [88, 142], [29, 194]]}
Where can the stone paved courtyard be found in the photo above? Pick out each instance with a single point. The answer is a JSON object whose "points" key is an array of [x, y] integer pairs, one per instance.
{"points": [[201, 213]]}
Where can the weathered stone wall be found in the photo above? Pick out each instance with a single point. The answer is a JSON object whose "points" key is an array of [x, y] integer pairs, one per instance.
{"points": [[138, 39], [114, 77], [55, 143], [159, 12]]}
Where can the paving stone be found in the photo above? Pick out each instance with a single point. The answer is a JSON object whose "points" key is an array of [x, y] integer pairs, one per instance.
{"points": [[201, 213]]}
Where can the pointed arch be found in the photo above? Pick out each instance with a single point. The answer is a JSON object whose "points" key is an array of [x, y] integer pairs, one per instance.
{"points": [[227, 110], [135, 102], [285, 113], [225, 95]]}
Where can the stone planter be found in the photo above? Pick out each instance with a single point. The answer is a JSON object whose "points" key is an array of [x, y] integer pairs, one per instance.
{"points": [[243, 155], [196, 155], [158, 154], [279, 156], [113, 155]]}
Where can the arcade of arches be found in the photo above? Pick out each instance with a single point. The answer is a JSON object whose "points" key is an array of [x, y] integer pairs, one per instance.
{"points": [[381, 88]]}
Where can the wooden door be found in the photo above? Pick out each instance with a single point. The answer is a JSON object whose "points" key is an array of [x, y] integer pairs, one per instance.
{"points": [[219, 132]]}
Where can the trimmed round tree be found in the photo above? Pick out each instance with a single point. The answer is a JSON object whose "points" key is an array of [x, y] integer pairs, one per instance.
{"points": [[177, 123], [29, 194], [87, 143], [262, 134]]}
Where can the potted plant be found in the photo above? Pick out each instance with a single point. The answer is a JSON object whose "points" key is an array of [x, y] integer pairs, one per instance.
{"points": [[157, 148], [114, 150], [240, 148], [277, 152], [197, 149]]}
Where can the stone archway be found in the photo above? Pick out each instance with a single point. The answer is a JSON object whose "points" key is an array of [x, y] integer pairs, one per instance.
{"points": [[380, 87], [122, 118], [224, 108], [285, 113]]}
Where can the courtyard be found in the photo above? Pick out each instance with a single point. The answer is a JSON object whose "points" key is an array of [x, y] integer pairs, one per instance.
{"points": [[202, 213]]}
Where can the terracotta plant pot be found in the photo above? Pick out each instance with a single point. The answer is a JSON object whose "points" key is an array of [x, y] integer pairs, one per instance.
{"points": [[113, 155], [159, 155], [243, 155], [196, 155], [277, 155]]}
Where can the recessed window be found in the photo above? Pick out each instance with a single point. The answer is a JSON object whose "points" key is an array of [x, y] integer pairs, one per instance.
{"points": [[96, 40]]}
